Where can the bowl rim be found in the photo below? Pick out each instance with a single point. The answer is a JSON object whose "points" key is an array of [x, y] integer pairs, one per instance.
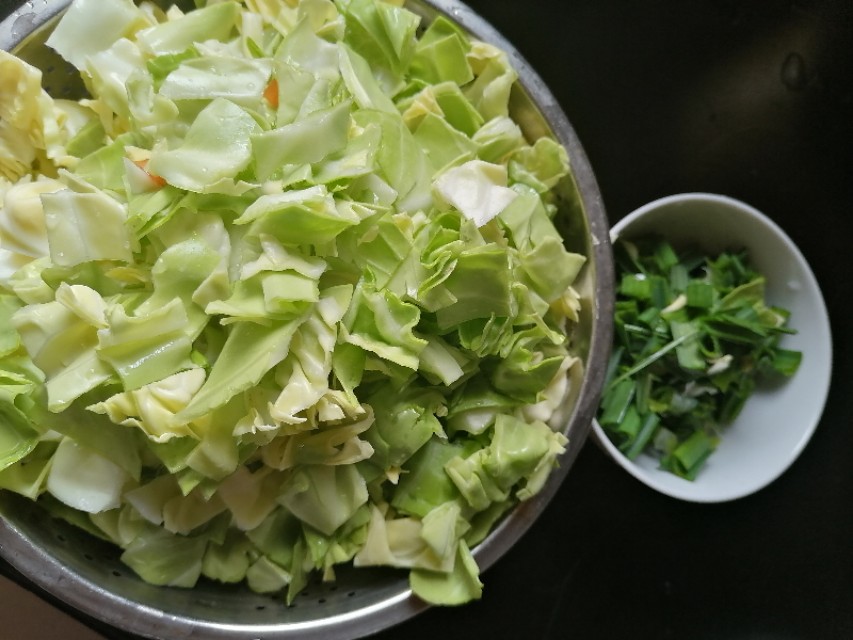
{"points": [[686, 490], [65, 585]]}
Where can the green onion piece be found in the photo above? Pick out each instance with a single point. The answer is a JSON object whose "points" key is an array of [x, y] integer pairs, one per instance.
{"points": [[635, 285], [786, 361], [666, 256], [629, 427], [679, 278], [657, 355], [644, 435], [659, 291], [699, 294], [688, 351], [617, 402], [689, 456]]}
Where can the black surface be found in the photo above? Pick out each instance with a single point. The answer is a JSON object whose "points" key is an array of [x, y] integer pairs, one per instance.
{"points": [[695, 95]]}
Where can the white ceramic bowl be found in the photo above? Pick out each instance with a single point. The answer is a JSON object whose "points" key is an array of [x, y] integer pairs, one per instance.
{"points": [[777, 422]]}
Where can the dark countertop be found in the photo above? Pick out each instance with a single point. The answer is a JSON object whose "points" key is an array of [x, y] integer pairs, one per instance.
{"points": [[749, 99]]}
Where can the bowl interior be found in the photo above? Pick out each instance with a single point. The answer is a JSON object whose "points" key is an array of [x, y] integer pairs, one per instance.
{"points": [[88, 575], [778, 420]]}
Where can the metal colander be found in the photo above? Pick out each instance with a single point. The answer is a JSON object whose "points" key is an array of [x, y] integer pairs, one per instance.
{"points": [[87, 574]]}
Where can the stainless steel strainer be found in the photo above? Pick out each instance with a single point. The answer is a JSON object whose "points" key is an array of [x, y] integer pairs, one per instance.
{"points": [[87, 574]]}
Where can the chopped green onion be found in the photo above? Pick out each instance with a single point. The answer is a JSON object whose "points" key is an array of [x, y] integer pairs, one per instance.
{"points": [[693, 336], [700, 294], [786, 361], [690, 455], [644, 435]]}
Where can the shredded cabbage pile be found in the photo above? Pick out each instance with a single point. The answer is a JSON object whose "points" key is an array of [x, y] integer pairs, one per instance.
{"points": [[282, 292]]}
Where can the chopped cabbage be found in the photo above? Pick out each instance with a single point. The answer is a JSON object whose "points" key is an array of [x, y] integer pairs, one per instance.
{"points": [[284, 291]]}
